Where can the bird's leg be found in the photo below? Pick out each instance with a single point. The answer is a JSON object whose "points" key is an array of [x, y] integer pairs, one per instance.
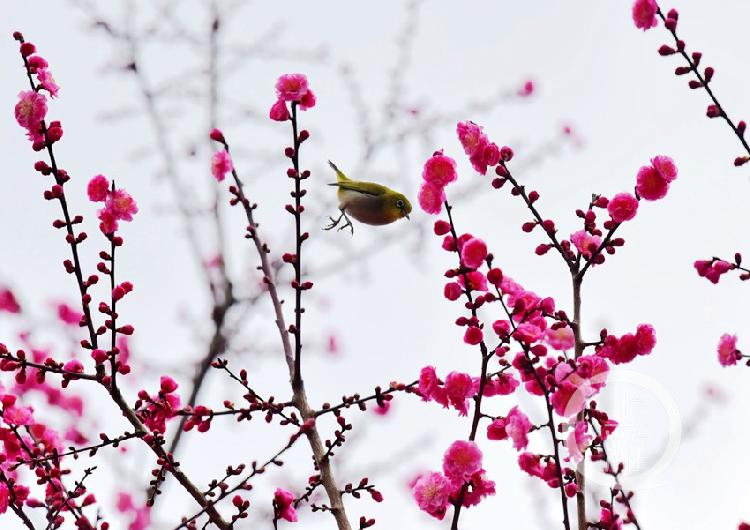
{"points": [[348, 222]]}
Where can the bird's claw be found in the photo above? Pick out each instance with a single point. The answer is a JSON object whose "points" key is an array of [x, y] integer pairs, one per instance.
{"points": [[335, 222]]}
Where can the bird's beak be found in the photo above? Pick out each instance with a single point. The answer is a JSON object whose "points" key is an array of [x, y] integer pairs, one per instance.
{"points": [[407, 216]]}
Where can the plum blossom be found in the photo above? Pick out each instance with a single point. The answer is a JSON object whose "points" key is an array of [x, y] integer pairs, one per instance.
{"points": [[47, 82], [628, 347], [119, 205], [586, 243], [578, 441], [162, 406], [644, 14], [97, 188], [473, 253], [431, 198], [459, 388], [8, 302], [561, 338], [440, 170], [283, 503], [291, 87], [221, 164], [278, 111], [30, 109], [432, 493], [478, 488], [515, 425], [622, 207], [471, 137], [461, 460], [502, 385], [727, 350], [653, 181], [712, 270], [576, 386]]}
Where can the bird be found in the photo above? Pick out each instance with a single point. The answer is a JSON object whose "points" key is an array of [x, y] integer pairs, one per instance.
{"points": [[367, 202]]}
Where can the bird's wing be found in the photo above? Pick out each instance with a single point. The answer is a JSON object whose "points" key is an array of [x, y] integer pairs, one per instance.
{"points": [[368, 188]]}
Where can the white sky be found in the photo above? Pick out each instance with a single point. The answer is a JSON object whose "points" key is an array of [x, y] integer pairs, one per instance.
{"points": [[593, 69]]}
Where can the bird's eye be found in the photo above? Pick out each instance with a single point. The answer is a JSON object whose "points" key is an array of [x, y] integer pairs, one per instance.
{"points": [[399, 203]]}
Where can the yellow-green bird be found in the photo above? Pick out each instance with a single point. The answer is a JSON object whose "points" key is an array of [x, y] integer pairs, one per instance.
{"points": [[367, 202]]}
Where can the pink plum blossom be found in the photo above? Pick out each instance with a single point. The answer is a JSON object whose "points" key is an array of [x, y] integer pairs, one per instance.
{"points": [[432, 492], [283, 501], [431, 198], [578, 441], [97, 188], [439, 170], [586, 243], [561, 338], [221, 164], [644, 14], [462, 459], [291, 87], [622, 207], [473, 253], [279, 111], [30, 109], [727, 350]]}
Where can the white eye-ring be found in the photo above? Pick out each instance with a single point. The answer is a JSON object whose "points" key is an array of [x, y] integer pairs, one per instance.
{"points": [[399, 203]]}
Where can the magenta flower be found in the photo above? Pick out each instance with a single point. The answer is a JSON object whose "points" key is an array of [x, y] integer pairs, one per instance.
{"points": [[221, 164], [473, 335], [431, 198], [121, 205], [586, 243], [578, 441], [561, 338], [291, 87], [665, 166], [651, 185], [439, 170], [503, 385], [283, 501], [432, 492], [515, 425], [278, 111], [8, 302], [712, 270], [530, 463], [471, 137], [452, 291], [308, 100], [644, 14], [473, 253], [428, 382], [478, 488], [30, 110], [97, 188], [459, 389], [69, 315], [47, 82], [727, 350], [461, 460], [622, 207]]}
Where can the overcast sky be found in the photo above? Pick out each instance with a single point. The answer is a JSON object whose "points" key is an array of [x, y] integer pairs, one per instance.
{"points": [[592, 69]]}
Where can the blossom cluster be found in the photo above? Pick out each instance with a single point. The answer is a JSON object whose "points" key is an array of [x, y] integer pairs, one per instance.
{"points": [[462, 479], [533, 336], [291, 88]]}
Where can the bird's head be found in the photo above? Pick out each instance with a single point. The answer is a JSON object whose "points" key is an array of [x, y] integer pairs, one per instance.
{"points": [[399, 205]]}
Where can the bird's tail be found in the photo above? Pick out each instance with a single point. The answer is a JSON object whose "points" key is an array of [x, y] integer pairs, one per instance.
{"points": [[340, 177]]}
